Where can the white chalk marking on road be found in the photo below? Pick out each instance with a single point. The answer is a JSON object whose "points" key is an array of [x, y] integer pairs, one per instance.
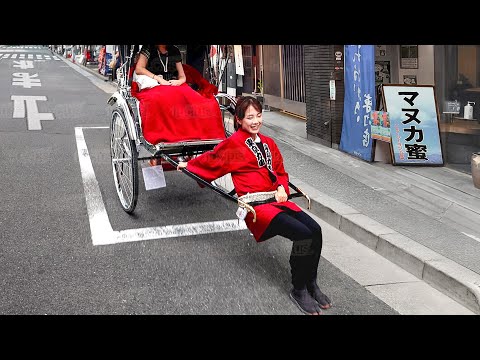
{"points": [[100, 226], [33, 116], [471, 236]]}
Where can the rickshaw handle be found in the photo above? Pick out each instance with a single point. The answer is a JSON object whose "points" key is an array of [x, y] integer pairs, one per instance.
{"points": [[227, 195]]}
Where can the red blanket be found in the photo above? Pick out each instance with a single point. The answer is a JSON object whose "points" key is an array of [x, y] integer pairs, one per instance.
{"points": [[195, 78], [178, 113]]}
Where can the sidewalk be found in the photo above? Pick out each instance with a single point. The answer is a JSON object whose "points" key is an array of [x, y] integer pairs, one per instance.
{"points": [[426, 220]]}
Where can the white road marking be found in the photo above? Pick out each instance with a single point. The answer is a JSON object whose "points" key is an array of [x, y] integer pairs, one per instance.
{"points": [[23, 64], [26, 80], [100, 226], [471, 236], [33, 116], [39, 57]]}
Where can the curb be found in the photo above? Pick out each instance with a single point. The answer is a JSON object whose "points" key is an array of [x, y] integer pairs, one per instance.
{"points": [[452, 279]]}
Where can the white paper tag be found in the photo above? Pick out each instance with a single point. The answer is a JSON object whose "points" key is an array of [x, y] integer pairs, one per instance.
{"points": [[241, 213], [153, 177]]}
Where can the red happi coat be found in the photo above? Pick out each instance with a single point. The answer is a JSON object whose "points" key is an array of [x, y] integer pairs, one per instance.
{"points": [[249, 171]]}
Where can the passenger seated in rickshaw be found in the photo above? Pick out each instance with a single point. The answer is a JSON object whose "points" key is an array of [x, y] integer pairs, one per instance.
{"points": [[171, 111]]}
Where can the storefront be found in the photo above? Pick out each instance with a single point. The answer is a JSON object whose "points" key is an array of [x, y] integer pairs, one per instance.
{"points": [[457, 79], [283, 78], [453, 70]]}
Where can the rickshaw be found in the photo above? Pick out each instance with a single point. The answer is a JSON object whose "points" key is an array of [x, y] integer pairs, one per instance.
{"points": [[127, 139]]}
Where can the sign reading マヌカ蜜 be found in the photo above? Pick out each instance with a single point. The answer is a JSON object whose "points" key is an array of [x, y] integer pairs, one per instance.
{"points": [[413, 114]]}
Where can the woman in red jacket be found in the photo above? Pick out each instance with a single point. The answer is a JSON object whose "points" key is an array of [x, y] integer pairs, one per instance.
{"points": [[256, 166]]}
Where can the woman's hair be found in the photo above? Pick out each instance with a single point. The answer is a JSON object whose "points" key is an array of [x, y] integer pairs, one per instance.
{"points": [[243, 103]]}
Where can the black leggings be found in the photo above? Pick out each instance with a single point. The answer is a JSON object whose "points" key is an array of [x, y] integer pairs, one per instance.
{"points": [[306, 235]]}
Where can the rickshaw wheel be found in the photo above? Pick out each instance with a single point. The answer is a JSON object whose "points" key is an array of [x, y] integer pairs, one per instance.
{"points": [[124, 158]]}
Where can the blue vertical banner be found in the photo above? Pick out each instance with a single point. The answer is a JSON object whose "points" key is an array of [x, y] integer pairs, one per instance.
{"points": [[359, 101]]}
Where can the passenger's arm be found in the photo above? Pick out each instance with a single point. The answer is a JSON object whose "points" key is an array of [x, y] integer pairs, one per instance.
{"points": [[141, 67]]}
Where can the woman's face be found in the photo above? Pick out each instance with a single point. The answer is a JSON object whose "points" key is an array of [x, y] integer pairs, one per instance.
{"points": [[252, 121]]}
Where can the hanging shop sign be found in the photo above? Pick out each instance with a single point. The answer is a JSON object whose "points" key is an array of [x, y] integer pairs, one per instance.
{"points": [[359, 101], [338, 60]]}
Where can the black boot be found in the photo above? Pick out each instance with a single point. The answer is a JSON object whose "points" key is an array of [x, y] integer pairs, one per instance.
{"points": [[305, 302], [323, 301]]}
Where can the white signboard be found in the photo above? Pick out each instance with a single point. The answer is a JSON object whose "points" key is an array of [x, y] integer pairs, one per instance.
{"points": [[237, 49], [332, 90], [414, 125]]}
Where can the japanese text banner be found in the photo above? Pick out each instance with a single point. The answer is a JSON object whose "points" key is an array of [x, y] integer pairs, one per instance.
{"points": [[359, 101]]}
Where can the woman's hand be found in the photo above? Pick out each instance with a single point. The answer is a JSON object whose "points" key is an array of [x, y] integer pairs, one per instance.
{"points": [[175, 82], [281, 195], [181, 165], [162, 81]]}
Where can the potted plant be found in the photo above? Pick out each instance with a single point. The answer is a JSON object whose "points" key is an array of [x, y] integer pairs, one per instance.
{"points": [[259, 95]]}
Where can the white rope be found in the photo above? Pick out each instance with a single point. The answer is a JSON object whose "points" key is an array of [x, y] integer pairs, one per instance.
{"points": [[258, 196]]}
